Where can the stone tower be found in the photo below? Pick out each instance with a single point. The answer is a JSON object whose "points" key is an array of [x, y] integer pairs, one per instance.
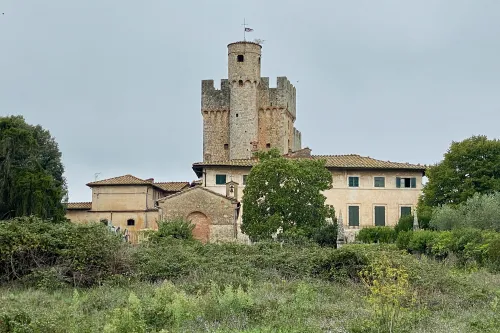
{"points": [[245, 115]]}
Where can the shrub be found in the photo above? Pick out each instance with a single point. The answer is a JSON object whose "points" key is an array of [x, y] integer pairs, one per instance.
{"points": [[403, 240], [80, 254], [481, 211], [405, 223], [377, 235], [176, 228], [326, 235], [421, 241]]}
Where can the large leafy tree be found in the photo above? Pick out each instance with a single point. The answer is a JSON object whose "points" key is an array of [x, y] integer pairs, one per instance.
{"points": [[470, 166], [285, 193], [31, 172]]}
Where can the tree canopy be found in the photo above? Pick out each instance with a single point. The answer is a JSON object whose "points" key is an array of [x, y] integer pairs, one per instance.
{"points": [[470, 166], [31, 172], [284, 193]]}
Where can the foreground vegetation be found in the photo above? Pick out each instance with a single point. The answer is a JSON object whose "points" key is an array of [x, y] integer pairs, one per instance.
{"points": [[174, 284]]}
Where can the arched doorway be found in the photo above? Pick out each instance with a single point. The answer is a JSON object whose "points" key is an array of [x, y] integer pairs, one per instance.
{"points": [[201, 223]]}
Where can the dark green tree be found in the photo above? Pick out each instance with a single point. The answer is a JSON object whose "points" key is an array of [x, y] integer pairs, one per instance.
{"points": [[470, 166], [285, 193], [31, 172]]}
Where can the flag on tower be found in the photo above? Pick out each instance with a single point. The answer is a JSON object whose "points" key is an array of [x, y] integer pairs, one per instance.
{"points": [[248, 29]]}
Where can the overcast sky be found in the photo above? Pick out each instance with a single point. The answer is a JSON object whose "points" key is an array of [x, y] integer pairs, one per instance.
{"points": [[117, 82]]}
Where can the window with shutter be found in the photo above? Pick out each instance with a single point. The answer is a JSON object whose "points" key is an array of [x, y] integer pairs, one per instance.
{"points": [[220, 179], [380, 215], [406, 182], [379, 181], [405, 211], [353, 181], [354, 216]]}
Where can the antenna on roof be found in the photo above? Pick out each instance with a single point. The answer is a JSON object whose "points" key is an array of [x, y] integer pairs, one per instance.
{"points": [[96, 175]]}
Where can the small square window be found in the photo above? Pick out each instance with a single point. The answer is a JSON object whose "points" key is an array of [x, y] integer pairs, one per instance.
{"points": [[353, 181], [405, 211], [379, 181], [240, 83], [226, 146], [220, 179], [241, 58], [130, 222], [268, 145]]}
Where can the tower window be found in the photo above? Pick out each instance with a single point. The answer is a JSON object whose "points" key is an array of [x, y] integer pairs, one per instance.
{"points": [[130, 222], [259, 60], [240, 82], [240, 58], [268, 145], [236, 115], [226, 146]]}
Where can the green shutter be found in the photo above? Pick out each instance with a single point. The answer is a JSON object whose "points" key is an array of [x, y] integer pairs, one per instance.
{"points": [[380, 215], [413, 182], [354, 216], [405, 211], [398, 182], [353, 181], [220, 179]]}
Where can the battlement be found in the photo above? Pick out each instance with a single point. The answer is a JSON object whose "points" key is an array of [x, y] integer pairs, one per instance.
{"points": [[283, 96], [215, 99]]}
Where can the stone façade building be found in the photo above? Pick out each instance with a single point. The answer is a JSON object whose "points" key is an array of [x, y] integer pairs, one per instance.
{"points": [[243, 116]]}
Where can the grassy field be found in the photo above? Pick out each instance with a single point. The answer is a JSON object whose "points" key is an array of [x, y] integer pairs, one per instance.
{"points": [[180, 286]]}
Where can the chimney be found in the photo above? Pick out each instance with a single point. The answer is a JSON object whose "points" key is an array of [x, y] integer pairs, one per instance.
{"points": [[150, 180]]}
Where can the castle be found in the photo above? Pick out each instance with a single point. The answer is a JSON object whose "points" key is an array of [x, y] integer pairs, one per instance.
{"points": [[244, 116]]}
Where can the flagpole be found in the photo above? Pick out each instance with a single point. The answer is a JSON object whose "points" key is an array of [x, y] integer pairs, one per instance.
{"points": [[244, 30]]}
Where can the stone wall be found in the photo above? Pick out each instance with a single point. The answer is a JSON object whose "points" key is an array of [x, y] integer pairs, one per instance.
{"points": [[213, 214], [245, 114], [215, 112]]}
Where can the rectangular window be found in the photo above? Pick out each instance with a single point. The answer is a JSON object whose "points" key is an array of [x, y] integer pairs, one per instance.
{"points": [[379, 181], [405, 211], [380, 216], [245, 179], [220, 179], [406, 182], [353, 181], [354, 216]]}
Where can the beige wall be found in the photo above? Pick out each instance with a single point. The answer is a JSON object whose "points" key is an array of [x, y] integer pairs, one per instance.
{"points": [[366, 196], [143, 220], [123, 197]]}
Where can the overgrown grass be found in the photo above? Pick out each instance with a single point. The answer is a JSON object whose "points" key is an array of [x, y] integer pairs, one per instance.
{"points": [[183, 286]]}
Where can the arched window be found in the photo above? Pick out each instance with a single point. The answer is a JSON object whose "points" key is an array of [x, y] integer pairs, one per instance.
{"points": [[130, 222], [240, 58], [240, 82]]}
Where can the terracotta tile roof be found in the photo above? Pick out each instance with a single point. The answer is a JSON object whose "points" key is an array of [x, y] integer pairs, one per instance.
{"points": [[351, 161], [172, 186], [121, 180], [79, 205]]}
